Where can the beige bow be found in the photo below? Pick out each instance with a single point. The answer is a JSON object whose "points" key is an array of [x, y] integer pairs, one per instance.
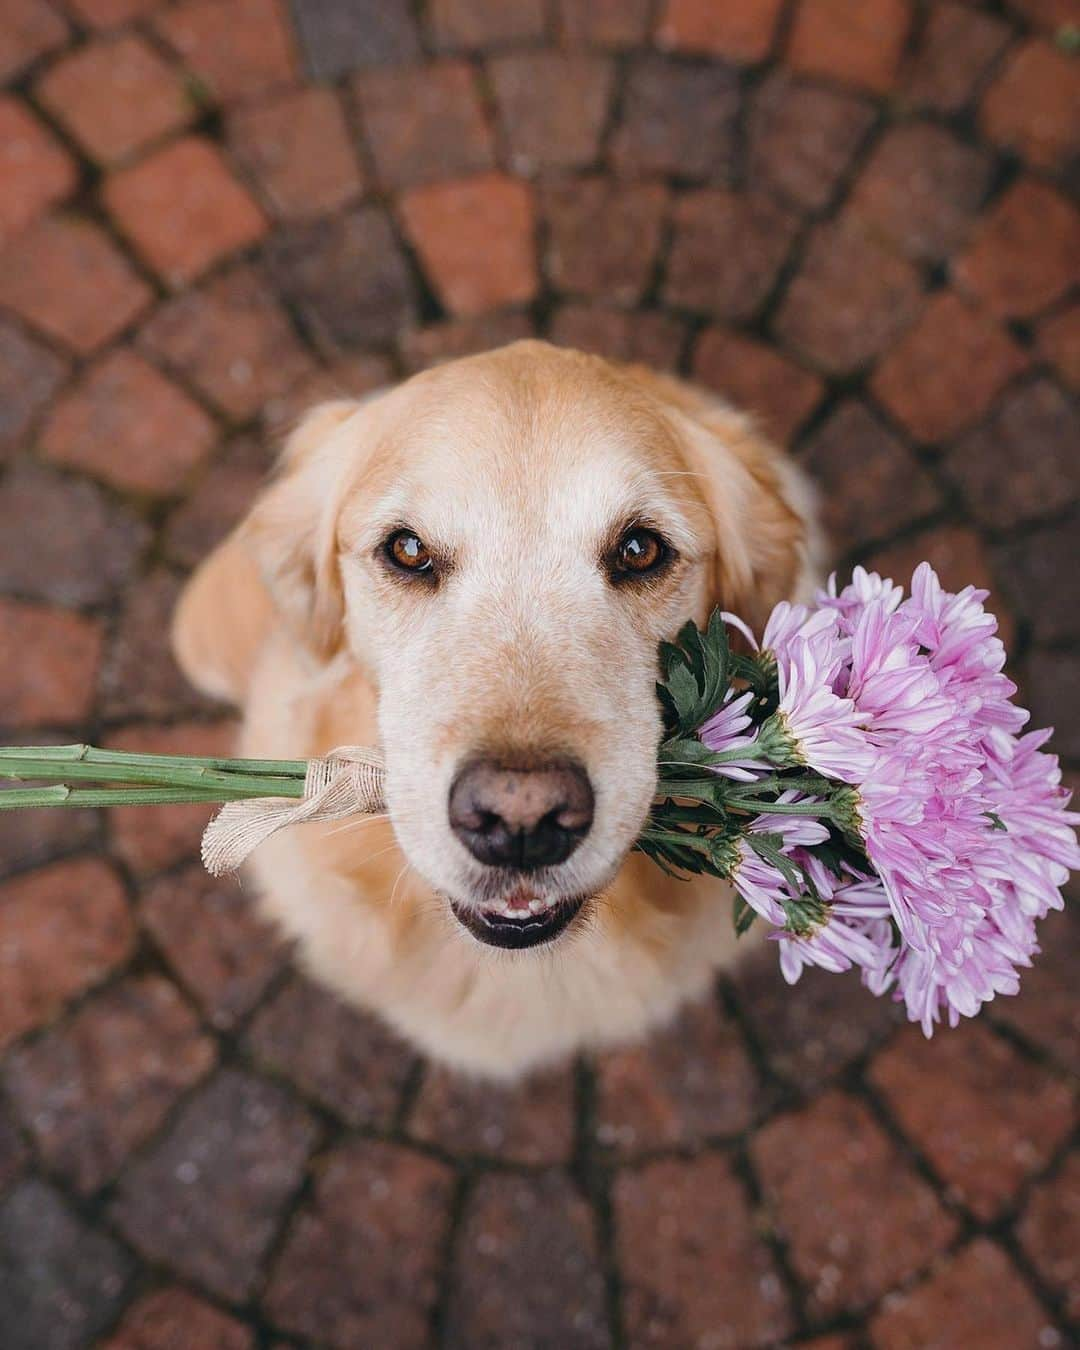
{"points": [[348, 782]]}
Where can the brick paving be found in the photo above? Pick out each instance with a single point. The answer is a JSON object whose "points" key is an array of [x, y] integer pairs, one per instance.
{"points": [[856, 217]]}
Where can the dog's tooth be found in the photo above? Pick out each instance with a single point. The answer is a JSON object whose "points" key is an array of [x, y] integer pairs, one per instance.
{"points": [[537, 906]]}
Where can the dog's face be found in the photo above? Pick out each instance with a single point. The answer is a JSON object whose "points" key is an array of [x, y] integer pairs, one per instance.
{"points": [[501, 544]]}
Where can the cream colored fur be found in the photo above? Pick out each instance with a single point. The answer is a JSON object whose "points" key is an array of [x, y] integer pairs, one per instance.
{"points": [[518, 466]]}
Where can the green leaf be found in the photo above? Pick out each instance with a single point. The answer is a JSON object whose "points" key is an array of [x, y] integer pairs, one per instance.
{"points": [[742, 915]]}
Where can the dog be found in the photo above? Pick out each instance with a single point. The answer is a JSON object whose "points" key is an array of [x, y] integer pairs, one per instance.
{"points": [[472, 570]]}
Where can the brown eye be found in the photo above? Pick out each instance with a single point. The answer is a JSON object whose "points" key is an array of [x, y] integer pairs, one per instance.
{"points": [[408, 552], [640, 551]]}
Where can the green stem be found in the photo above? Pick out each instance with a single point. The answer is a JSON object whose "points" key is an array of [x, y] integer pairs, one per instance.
{"points": [[89, 754], [157, 775], [59, 795], [780, 808]]}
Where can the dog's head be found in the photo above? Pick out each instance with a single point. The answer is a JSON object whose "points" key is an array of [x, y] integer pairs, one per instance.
{"points": [[501, 543]]}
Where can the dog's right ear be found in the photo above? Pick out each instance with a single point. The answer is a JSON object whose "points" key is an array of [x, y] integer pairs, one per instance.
{"points": [[291, 530], [278, 565]]}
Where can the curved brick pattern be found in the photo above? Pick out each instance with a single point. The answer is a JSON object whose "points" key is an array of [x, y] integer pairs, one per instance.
{"points": [[977, 1298], [231, 340], [852, 218], [527, 1271], [694, 1268], [425, 124], [757, 378], [209, 934], [603, 237], [95, 1088], [691, 1082], [531, 1123], [445, 220], [937, 1093], [206, 1200], [173, 1319], [116, 96], [360, 1263], [60, 1281], [727, 252], [35, 169], [60, 655], [62, 930], [1050, 1233], [857, 1219], [64, 540], [552, 109], [348, 1062], [802, 138], [66, 279]]}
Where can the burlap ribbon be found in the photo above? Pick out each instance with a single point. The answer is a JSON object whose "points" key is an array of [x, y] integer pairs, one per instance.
{"points": [[348, 782]]}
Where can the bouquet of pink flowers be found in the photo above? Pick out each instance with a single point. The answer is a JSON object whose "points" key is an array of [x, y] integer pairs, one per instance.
{"points": [[862, 780]]}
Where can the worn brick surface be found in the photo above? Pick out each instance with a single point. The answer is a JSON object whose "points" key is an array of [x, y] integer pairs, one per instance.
{"points": [[947, 369], [858, 42], [239, 49], [298, 151], [691, 1082], [29, 376], [513, 1228], [346, 275], [64, 540], [1022, 256], [1019, 465], [360, 1263], [850, 299], [62, 929], [96, 1087], [1050, 1232], [977, 1298], [740, 32], [183, 210], [552, 109], [174, 1319], [210, 936], [443, 222], [350, 1063], [757, 378], [128, 425], [206, 1199], [424, 124], [727, 252], [1034, 105], [957, 47], [883, 485], [677, 119], [60, 1280], [37, 170], [68, 280], [695, 1270], [231, 340], [532, 1123], [852, 218], [921, 189], [116, 96], [603, 237], [938, 1099], [59, 657], [829, 1173], [803, 136]]}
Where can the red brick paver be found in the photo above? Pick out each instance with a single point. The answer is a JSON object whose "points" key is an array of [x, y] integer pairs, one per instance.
{"points": [[855, 219]]}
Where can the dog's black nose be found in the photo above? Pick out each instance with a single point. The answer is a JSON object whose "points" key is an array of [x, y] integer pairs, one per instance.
{"points": [[508, 815]]}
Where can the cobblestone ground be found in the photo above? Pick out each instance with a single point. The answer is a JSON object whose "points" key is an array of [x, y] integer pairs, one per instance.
{"points": [[850, 215]]}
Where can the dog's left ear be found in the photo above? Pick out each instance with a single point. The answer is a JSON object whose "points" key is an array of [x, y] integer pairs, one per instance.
{"points": [[768, 546]]}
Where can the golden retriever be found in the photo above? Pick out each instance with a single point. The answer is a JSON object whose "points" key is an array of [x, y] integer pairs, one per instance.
{"points": [[472, 570]]}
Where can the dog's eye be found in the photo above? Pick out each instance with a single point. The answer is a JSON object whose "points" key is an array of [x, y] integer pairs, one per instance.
{"points": [[639, 552], [408, 552]]}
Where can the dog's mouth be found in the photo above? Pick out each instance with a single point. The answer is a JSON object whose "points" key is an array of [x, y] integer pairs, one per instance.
{"points": [[519, 920]]}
